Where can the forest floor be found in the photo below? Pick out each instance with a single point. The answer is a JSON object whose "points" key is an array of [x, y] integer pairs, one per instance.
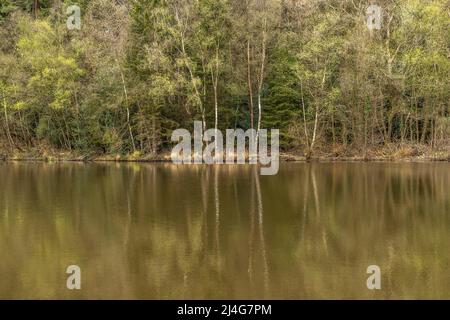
{"points": [[392, 152]]}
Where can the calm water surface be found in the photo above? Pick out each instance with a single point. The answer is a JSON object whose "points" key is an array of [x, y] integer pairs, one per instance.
{"points": [[159, 231]]}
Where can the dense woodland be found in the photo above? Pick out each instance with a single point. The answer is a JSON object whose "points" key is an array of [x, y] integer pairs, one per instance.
{"points": [[137, 70]]}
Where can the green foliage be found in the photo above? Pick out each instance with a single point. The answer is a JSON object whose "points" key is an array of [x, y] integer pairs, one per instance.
{"points": [[6, 7], [139, 69]]}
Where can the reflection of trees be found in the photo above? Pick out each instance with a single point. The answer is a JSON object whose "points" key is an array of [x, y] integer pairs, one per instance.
{"points": [[251, 234], [261, 231], [126, 237], [388, 214], [254, 278], [217, 216], [162, 231]]}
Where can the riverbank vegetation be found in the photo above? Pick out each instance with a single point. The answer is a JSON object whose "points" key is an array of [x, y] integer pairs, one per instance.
{"points": [[137, 70]]}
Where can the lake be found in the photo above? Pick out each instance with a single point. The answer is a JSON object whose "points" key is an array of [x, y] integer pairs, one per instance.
{"points": [[161, 231]]}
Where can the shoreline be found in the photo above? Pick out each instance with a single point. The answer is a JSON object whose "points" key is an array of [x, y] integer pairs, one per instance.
{"points": [[394, 152], [285, 157]]}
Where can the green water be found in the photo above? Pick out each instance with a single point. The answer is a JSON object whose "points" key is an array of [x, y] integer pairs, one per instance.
{"points": [[160, 231]]}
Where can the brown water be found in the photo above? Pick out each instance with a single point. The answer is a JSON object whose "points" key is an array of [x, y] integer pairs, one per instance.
{"points": [[159, 231]]}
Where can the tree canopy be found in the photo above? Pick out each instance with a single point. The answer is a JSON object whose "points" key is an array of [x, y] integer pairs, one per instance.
{"points": [[137, 70]]}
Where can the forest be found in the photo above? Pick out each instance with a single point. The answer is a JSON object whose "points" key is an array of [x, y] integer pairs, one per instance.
{"points": [[137, 70]]}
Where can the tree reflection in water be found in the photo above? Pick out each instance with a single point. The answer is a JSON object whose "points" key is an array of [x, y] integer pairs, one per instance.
{"points": [[160, 231]]}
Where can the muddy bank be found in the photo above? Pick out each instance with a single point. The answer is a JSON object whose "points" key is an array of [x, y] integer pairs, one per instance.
{"points": [[387, 153]]}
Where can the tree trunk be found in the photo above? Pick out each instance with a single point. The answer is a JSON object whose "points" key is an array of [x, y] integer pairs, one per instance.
{"points": [[8, 132], [215, 81], [305, 127], [191, 73], [316, 120], [36, 8], [261, 75], [130, 131], [250, 85]]}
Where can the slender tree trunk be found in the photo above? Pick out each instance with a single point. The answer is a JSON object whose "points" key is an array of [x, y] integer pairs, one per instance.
{"points": [[191, 73], [130, 131], [215, 81], [154, 143], [250, 85], [425, 129], [433, 132], [305, 126], [36, 8], [261, 75], [316, 117], [8, 132], [333, 133], [417, 123], [316, 120], [405, 127]]}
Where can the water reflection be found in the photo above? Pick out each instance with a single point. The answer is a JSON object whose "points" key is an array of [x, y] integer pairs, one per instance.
{"points": [[163, 231]]}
